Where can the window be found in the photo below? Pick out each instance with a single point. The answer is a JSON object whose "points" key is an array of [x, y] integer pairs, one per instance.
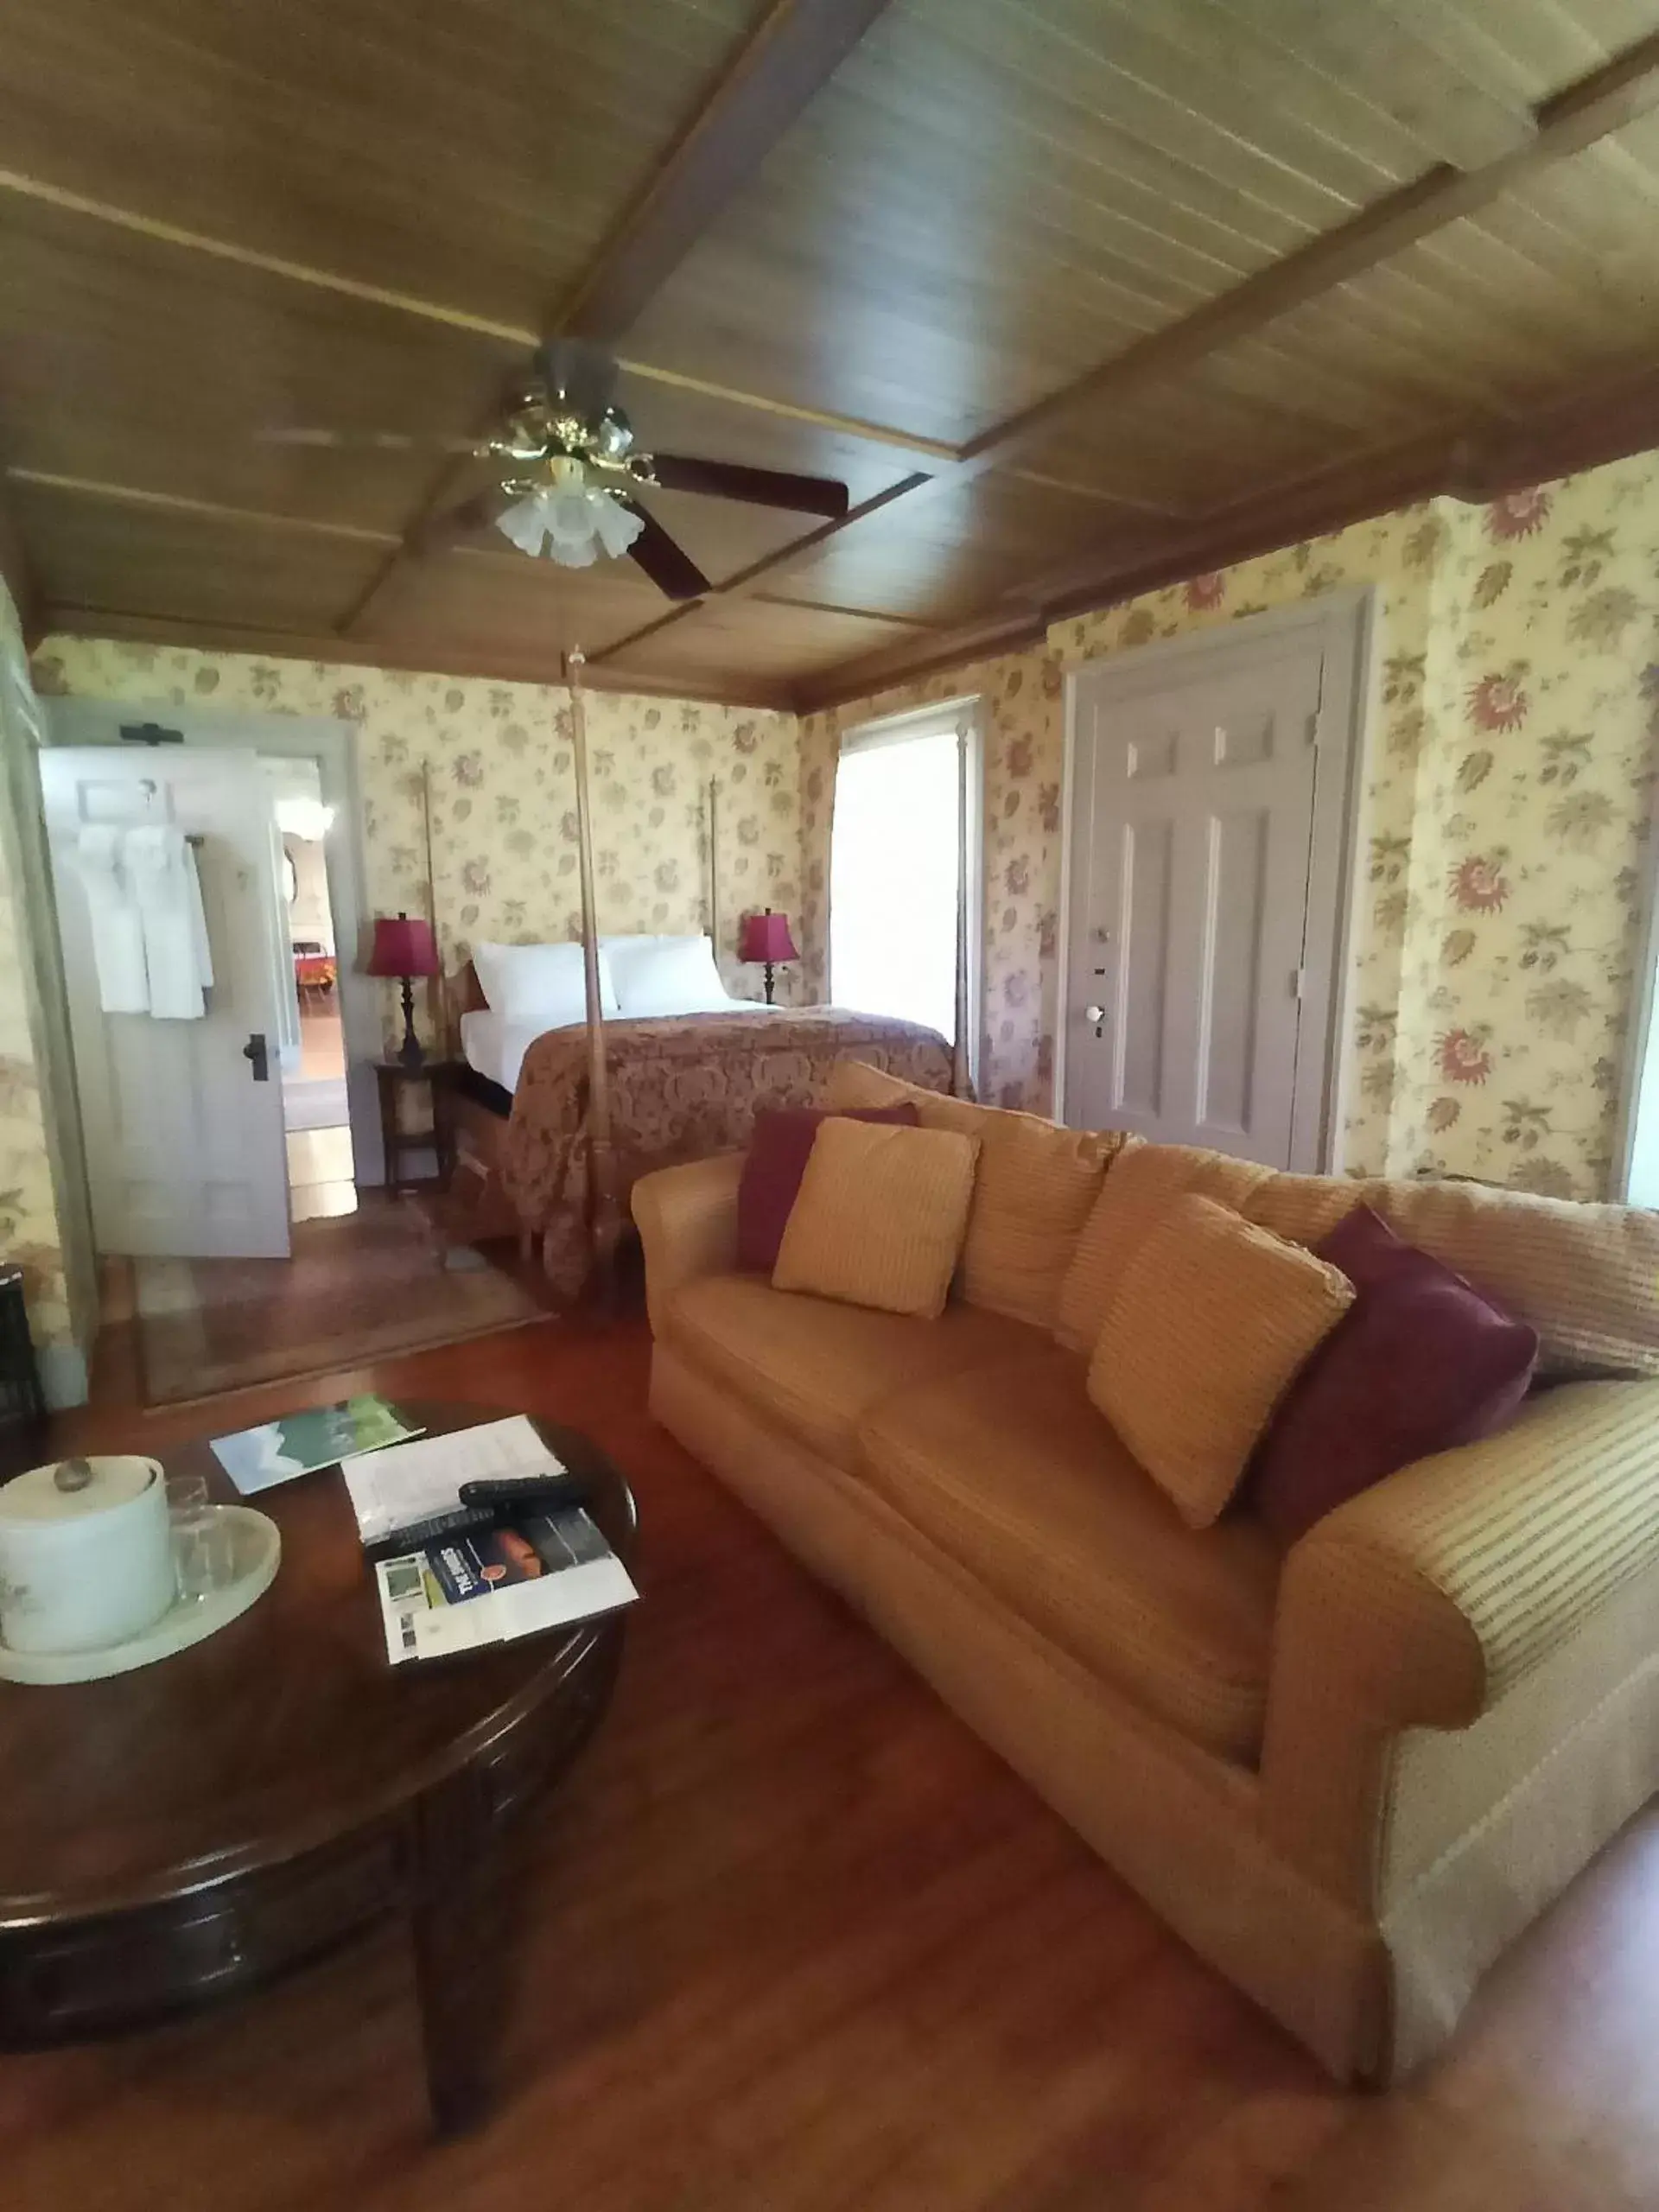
{"points": [[897, 853]]}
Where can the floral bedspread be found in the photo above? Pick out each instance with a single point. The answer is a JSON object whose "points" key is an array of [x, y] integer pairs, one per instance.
{"points": [[680, 1090]]}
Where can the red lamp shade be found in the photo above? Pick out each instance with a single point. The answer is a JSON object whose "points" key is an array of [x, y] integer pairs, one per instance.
{"points": [[766, 936], [402, 946]]}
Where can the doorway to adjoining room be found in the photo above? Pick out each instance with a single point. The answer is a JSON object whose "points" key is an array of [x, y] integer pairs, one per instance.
{"points": [[320, 1167]]}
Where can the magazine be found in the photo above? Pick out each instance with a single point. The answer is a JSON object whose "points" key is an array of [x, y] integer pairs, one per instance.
{"points": [[277, 1451], [541, 1570]]}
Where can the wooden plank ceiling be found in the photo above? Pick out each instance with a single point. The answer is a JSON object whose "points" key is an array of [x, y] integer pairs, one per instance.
{"points": [[1073, 294]]}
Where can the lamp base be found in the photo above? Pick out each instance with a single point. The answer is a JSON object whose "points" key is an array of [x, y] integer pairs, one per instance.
{"points": [[768, 966], [411, 1053]]}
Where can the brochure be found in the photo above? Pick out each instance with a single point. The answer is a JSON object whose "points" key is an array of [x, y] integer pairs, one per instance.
{"points": [[544, 1570], [414, 1481], [276, 1451]]}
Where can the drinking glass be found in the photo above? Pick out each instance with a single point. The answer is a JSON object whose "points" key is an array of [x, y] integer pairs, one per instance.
{"points": [[203, 1540]]}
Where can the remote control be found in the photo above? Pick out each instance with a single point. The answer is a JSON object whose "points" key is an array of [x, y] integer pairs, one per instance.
{"points": [[459, 1521], [534, 1493]]}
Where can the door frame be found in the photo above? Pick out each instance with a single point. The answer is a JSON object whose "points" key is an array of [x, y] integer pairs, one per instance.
{"points": [[333, 745], [1349, 619]]}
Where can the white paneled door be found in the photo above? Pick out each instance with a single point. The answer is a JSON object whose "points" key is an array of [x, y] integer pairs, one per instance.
{"points": [[1194, 952], [183, 1119]]}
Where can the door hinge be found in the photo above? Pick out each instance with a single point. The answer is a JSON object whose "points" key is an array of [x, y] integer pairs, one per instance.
{"points": [[1299, 983], [1313, 731]]}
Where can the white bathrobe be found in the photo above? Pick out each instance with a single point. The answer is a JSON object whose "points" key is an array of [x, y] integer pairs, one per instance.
{"points": [[178, 965], [117, 930]]}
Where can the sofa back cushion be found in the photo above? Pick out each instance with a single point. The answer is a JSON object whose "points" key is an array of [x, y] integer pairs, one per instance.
{"points": [[1212, 1322], [1585, 1277], [1420, 1363], [1033, 1187], [879, 1218], [1146, 1181], [779, 1147]]}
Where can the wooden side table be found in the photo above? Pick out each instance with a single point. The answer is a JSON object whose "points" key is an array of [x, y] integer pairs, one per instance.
{"points": [[438, 1131]]}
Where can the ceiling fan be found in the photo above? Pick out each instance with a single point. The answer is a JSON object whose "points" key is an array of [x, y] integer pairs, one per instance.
{"points": [[566, 469]]}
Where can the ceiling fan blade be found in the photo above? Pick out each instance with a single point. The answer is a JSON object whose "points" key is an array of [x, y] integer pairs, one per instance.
{"points": [[364, 440], [451, 523], [757, 487], [671, 570]]}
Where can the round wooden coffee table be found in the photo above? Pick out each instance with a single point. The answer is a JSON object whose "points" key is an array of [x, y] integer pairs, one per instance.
{"points": [[194, 1829]]}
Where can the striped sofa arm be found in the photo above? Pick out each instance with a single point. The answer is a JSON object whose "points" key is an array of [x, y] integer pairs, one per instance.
{"points": [[687, 1219], [1420, 1602]]}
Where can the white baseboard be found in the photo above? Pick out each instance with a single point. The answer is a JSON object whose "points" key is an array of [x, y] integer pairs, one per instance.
{"points": [[317, 1104]]}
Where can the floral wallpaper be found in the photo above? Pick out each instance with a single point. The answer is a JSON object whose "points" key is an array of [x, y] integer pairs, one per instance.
{"points": [[496, 760], [1533, 804], [1512, 740]]}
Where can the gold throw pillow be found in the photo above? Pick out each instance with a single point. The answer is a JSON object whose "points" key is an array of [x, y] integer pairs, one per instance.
{"points": [[879, 1216], [1032, 1189], [1212, 1320]]}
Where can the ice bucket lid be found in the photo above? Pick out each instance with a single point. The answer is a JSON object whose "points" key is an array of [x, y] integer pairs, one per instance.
{"points": [[74, 1490]]}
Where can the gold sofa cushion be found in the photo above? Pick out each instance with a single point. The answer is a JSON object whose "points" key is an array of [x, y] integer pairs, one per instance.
{"points": [[815, 1368], [1213, 1321], [1033, 1187], [1009, 1470], [879, 1216]]}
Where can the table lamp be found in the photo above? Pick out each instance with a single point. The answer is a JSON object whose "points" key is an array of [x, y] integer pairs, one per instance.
{"points": [[403, 947], [765, 939]]}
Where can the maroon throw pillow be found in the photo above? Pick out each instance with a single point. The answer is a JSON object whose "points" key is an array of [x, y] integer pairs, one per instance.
{"points": [[1420, 1362], [778, 1152]]}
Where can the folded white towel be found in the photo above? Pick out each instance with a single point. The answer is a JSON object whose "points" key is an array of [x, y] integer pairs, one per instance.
{"points": [[118, 931], [169, 894]]}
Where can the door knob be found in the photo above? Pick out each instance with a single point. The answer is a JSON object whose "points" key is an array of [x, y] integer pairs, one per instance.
{"points": [[1095, 1014], [257, 1054]]}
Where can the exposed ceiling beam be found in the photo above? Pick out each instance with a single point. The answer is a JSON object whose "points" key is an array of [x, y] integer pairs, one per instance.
{"points": [[1616, 94], [1606, 99], [788, 59], [512, 339], [133, 495], [1014, 630], [1607, 422], [175, 503], [336, 651]]}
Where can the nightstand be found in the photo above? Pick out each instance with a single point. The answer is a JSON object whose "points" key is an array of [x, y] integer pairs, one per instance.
{"points": [[438, 1133]]}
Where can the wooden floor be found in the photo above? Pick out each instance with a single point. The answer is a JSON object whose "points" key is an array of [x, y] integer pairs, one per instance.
{"points": [[791, 1940]]}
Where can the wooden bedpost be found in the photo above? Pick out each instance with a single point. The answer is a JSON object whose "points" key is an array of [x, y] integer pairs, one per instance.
{"points": [[601, 1157]]}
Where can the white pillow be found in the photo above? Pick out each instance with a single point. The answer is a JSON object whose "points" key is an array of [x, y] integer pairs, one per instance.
{"points": [[540, 983], [667, 975]]}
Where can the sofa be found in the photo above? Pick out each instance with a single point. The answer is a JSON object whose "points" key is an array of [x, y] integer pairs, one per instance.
{"points": [[1348, 1773]]}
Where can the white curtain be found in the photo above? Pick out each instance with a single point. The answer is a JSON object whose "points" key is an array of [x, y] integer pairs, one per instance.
{"points": [[895, 876]]}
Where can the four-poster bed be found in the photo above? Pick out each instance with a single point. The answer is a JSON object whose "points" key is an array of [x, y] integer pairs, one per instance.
{"points": [[550, 1153]]}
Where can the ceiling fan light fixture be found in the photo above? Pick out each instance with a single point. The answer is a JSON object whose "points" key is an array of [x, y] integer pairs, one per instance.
{"points": [[570, 521]]}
